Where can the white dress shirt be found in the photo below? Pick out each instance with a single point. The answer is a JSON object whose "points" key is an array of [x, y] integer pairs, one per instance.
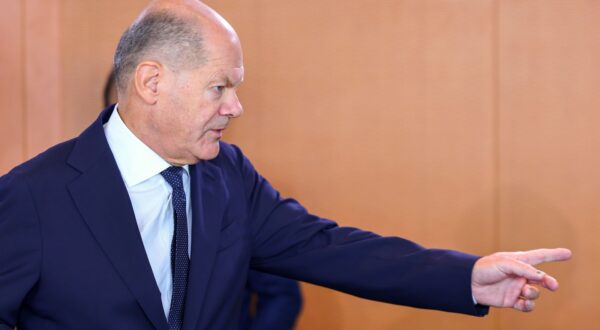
{"points": [[150, 196]]}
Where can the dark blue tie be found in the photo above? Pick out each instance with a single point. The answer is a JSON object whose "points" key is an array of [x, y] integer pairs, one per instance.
{"points": [[180, 261]]}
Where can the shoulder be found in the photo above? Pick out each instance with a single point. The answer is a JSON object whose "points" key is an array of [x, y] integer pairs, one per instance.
{"points": [[231, 157], [48, 165], [236, 167], [228, 153]]}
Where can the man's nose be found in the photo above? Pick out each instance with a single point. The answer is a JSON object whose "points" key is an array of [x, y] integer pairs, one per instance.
{"points": [[232, 108]]}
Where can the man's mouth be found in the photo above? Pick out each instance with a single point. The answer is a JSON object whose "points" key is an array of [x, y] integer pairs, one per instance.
{"points": [[218, 131]]}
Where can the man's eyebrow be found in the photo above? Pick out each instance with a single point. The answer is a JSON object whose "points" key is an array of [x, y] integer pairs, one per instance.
{"points": [[229, 82], [225, 80]]}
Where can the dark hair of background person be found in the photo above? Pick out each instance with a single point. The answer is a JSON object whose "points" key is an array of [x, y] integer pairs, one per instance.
{"points": [[109, 95]]}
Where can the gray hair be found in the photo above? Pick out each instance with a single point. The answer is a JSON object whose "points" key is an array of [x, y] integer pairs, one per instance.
{"points": [[159, 35]]}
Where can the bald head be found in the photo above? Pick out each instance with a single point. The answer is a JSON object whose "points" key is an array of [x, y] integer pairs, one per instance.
{"points": [[176, 33], [194, 9]]}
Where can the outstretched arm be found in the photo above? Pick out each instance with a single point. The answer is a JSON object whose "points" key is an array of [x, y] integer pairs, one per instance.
{"points": [[509, 279]]}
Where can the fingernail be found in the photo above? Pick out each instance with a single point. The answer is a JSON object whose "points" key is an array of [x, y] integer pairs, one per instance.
{"points": [[530, 305]]}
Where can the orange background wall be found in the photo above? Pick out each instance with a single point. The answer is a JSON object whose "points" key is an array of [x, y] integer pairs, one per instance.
{"points": [[464, 124]]}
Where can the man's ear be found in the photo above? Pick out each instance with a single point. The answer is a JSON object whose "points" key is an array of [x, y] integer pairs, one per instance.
{"points": [[146, 79]]}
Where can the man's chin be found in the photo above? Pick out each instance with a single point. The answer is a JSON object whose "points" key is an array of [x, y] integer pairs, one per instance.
{"points": [[209, 152]]}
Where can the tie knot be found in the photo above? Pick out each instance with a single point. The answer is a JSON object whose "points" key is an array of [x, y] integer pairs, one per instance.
{"points": [[173, 176]]}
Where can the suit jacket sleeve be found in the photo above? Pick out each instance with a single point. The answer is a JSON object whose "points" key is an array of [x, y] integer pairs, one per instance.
{"points": [[289, 241], [20, 247]]}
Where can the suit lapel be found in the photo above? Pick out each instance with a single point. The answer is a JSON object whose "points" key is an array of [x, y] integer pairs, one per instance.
{"points": [[102, 199], [209, 198]]}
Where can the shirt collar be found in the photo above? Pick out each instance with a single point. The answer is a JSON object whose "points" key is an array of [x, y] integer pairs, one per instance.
{"points": [[136, 161]]}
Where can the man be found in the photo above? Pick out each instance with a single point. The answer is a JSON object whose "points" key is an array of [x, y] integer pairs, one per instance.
{"points": [[147, 220]]}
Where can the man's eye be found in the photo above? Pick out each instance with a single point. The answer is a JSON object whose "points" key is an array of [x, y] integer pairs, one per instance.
{"points": [[218, 89]]}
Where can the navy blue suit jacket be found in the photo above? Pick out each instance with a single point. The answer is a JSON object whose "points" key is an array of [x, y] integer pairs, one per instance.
{"points": [[71, 256]]}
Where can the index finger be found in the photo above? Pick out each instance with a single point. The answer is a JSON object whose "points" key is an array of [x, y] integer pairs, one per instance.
{"points": [[534, 257]]}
